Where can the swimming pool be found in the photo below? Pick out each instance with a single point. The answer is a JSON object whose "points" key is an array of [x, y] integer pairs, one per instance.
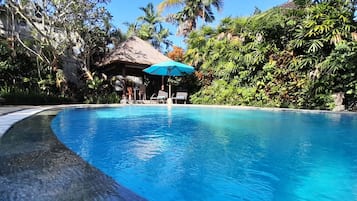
{"points": [[198, 153]]}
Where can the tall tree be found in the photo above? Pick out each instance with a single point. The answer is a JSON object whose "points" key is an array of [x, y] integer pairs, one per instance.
{"points": [[149, 27], [187, 18], [62, 27]]}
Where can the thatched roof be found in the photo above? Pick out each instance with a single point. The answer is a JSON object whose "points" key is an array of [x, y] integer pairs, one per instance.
{"points": [[135, 51]]}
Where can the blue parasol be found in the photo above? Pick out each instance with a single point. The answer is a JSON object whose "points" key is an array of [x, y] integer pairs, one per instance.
{"points": [[169, 68]]}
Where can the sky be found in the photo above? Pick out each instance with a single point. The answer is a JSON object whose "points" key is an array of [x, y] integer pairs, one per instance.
{"points": [[128, 11]]}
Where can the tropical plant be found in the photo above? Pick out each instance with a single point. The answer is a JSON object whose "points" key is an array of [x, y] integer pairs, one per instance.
{"points": [[326, 29], [100, 89], [24, 82], [149, 27], [186, 18], [282, 57]]}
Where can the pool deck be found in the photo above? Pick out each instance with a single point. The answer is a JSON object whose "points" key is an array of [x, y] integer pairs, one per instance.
{"points": [[35, 165], [9, 115]]}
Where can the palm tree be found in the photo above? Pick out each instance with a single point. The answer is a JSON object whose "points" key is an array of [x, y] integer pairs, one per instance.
{"points": [[192, 10], [132, 28], [150, 17], [148, 27]]}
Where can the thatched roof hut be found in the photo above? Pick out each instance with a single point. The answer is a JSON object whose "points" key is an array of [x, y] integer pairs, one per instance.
{"points": [[129, 59], [135, 51]]}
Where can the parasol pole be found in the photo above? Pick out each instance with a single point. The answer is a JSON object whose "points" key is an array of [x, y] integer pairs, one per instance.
{"points": [[162, 83], [169, 80], [169, 88], [169, 100]]}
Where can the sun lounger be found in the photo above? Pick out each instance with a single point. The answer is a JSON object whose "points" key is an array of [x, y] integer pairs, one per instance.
{"points": [[180, 96], [161, 97]]}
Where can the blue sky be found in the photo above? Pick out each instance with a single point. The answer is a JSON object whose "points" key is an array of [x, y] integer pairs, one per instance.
{"points": [[128, 11]]}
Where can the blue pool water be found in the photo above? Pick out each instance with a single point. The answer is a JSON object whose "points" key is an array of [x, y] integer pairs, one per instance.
{"points": [[189, 153]]}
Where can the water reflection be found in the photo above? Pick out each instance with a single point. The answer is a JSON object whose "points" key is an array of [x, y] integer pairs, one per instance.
{"points": [[147, 147]]}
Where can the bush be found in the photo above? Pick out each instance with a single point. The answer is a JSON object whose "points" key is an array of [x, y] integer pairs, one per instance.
{"points": [[19, 97], [103, 98]]}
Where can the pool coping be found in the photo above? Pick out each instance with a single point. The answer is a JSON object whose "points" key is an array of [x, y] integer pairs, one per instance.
{"points": [[55, 160], [8, 119], [18, 113]]}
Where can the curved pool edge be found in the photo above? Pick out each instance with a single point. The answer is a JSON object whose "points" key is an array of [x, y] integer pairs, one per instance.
{"points": [[15, 115], [35, 165], [18, 113]]}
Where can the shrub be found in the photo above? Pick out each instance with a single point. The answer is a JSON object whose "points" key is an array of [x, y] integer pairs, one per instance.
{"points": [[20, 97]]}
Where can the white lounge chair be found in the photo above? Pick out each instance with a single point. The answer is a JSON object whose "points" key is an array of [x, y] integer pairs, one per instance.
{"points": [[161, 97], [180, 96]]}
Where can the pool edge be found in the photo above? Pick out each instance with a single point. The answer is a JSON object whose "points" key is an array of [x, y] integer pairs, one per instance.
{"points": [[121, 193]]}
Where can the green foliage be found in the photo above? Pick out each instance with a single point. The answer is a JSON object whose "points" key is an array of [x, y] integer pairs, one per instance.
{"points": [[100, 90], [280, 58], [18, 70], [38, 67], [149, 27], [18, 96], [15, 71], [191, 11], [103, 99]]}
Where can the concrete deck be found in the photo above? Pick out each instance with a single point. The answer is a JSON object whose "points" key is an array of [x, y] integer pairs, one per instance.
{"points": [[35, 165], [9, 115]]}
